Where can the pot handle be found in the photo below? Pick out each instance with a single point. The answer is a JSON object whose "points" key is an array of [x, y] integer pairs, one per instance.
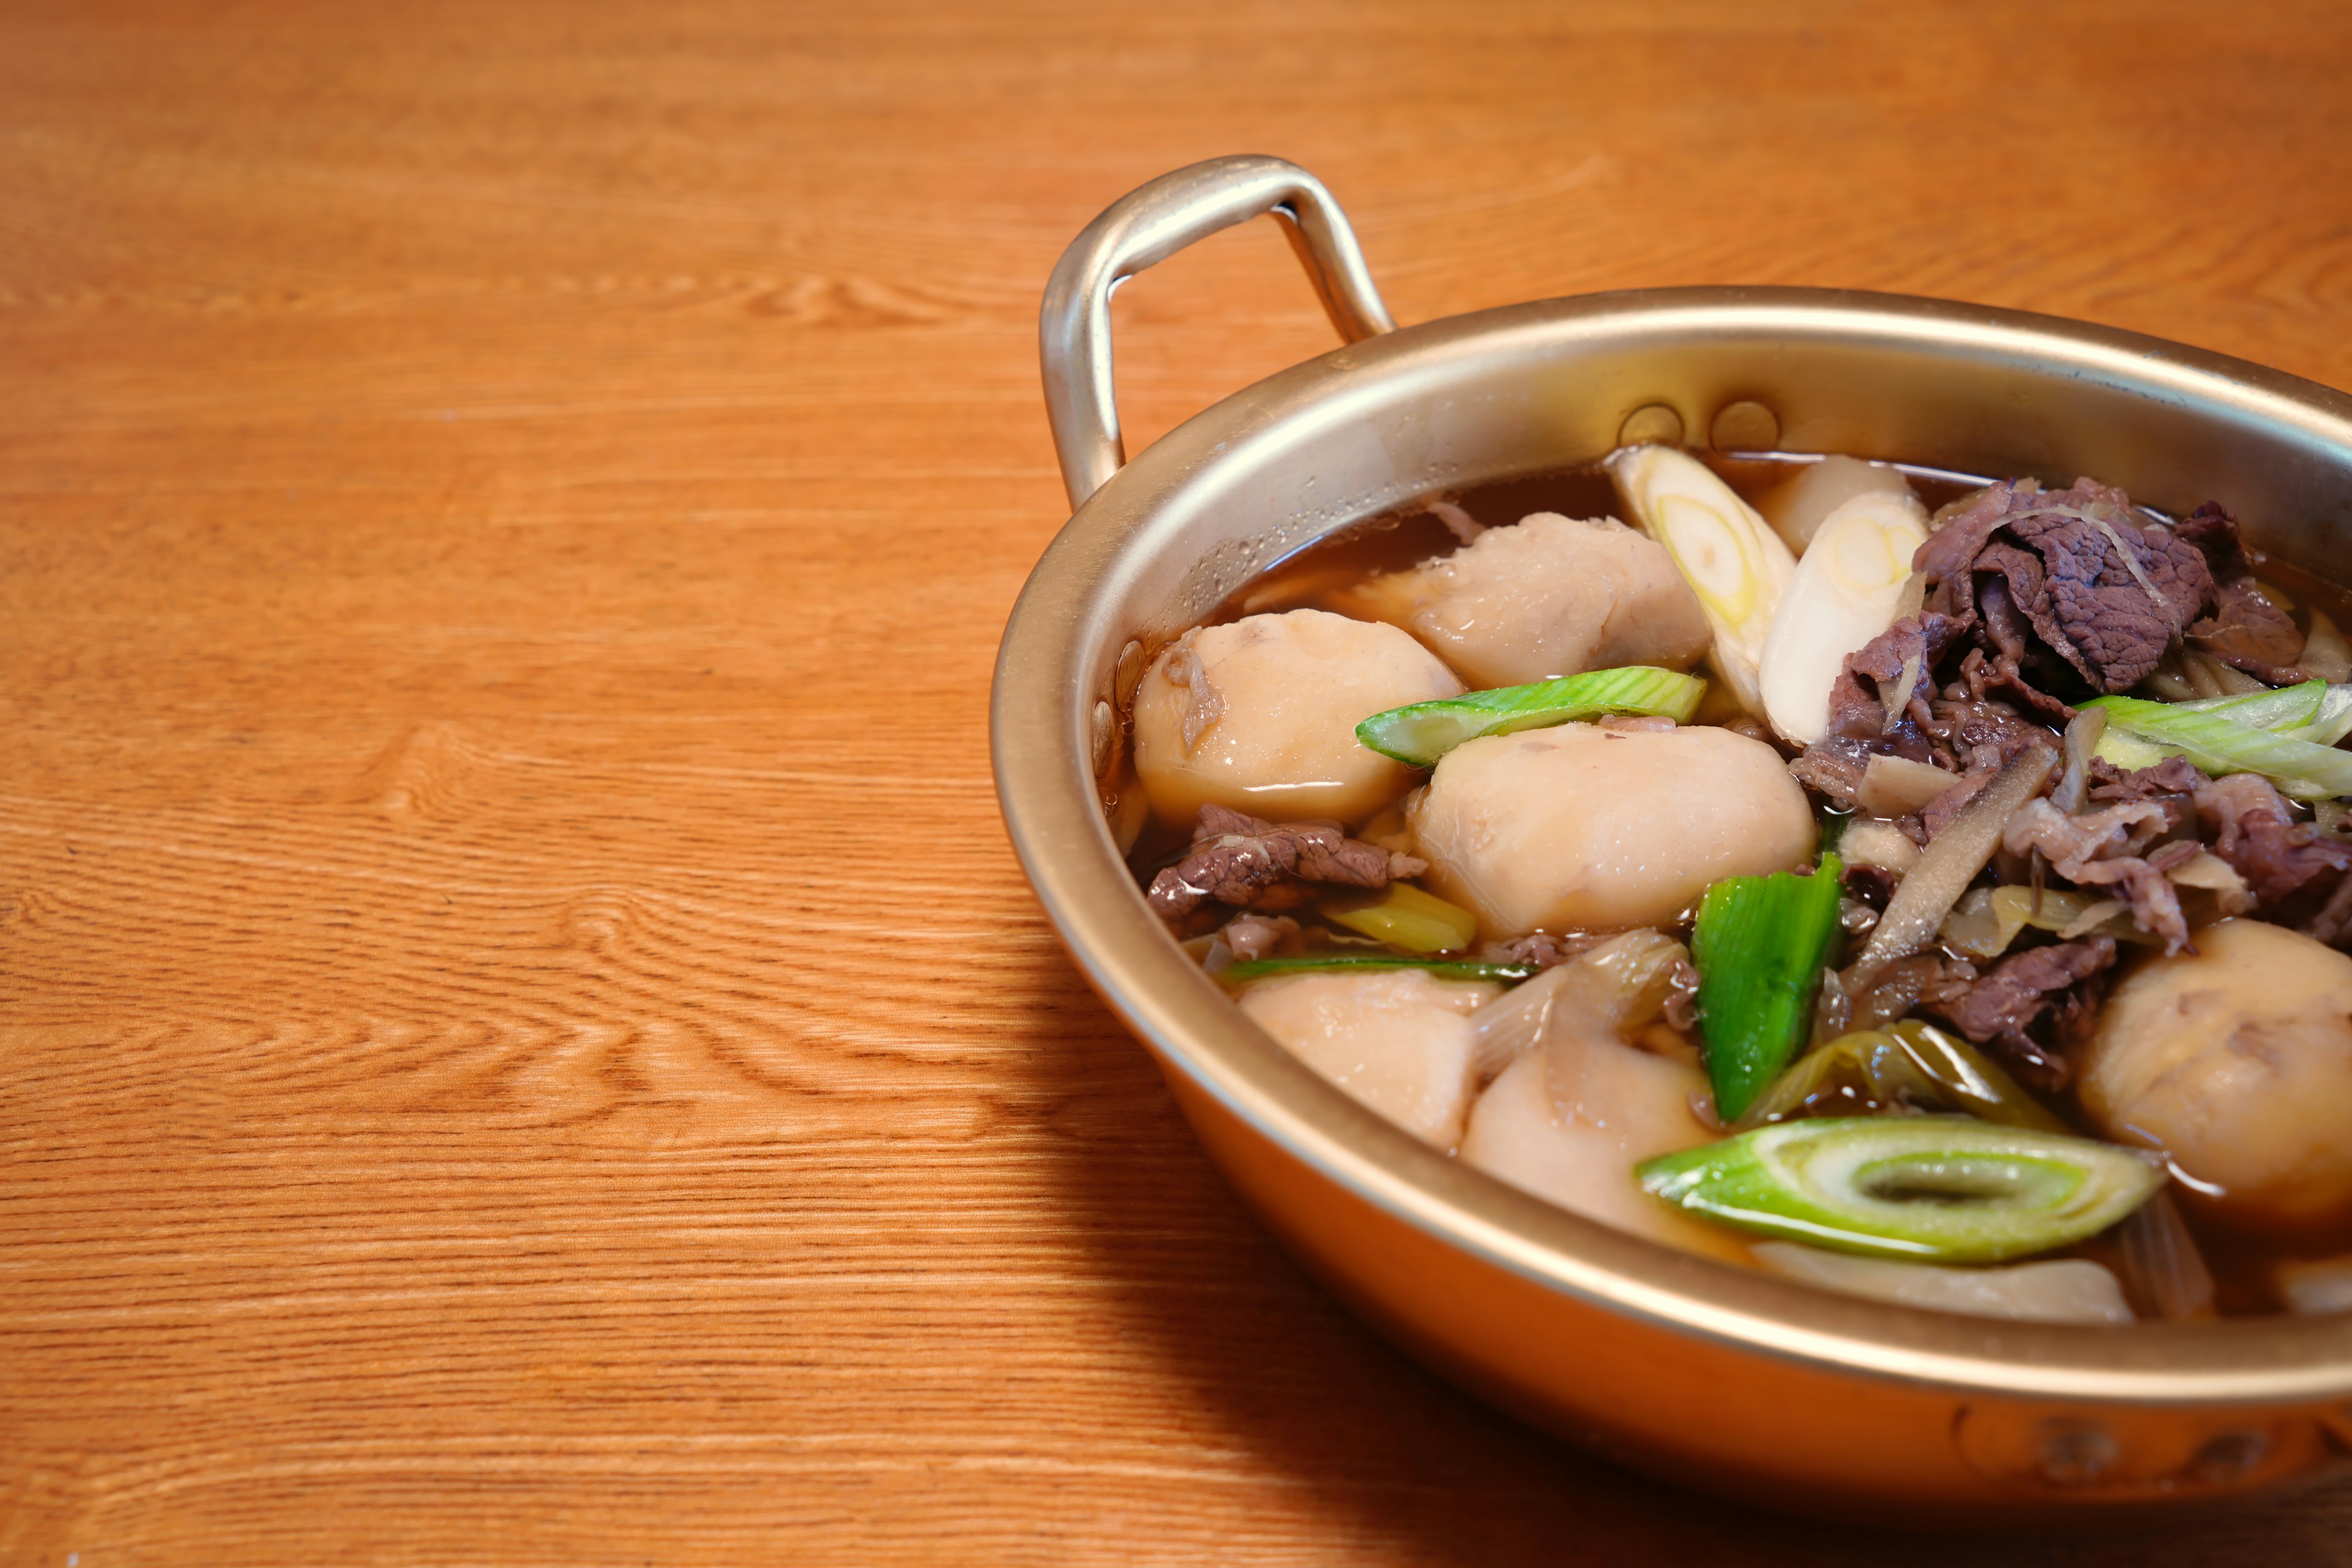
{"points": [[1146, 226]]}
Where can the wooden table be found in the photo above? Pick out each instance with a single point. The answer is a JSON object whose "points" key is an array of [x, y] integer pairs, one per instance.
{"points": [[520, 1039]]}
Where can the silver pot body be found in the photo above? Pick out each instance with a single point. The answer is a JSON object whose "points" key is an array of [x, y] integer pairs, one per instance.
{"points": [[1712, 1376]]}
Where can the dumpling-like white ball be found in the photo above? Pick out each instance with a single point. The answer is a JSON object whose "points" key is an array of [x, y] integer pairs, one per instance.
{"points": [[1260, 715], [1587, 826]]}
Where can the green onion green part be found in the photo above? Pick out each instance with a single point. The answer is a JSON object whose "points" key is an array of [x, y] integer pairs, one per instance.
{"points": [[1935, 1189], [2288, 708], [1250, 969], [2218, 742], [2313, 711], [1759, 945], [1424, 732], [1908, 1063]]}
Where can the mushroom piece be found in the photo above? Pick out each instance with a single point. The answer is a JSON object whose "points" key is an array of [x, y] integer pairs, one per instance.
{"points": [[2236, 1061], [1260, 714], [1588, 826], [1399, 1041], [1546, 597]]}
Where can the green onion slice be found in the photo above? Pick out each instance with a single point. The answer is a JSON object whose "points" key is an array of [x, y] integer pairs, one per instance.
{"points": [[2215, 740], [1934, 1188], [1424, 732], [1250, 969], [1759, 945]]}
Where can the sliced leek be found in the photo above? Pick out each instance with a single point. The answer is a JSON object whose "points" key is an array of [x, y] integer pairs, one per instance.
{"points": [[1424, 732], [2062, 1290], [1250, 969], [2212, 739], [1403, 916], [2313, 711], [1759, 945], [1907, 1064], [1935, 1188], [1733, 563], [1847, 589]]}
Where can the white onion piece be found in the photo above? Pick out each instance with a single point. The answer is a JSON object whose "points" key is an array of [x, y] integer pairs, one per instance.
{"points": [[1847, 589], [1895, 786], [1737, 565], [1950, 863], [2067, 1291]]}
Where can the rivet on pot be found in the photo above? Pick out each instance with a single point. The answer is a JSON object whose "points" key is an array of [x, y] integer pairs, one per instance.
{"points": [[2075, 1453], [1746, 425], [1652, 424], [1105, 727], [2227, 1457]]}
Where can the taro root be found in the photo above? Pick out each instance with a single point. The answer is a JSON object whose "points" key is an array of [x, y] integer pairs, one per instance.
{"points": [[2236, 1060], [1583, 827], [1399, 1041], [1261, 715], [1547, 597]]}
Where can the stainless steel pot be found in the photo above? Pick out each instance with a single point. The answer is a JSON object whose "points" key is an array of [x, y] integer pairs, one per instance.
{"points": [[1721, 1379]]}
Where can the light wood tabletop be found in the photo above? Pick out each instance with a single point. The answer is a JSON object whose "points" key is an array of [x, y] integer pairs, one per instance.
{"points": [[521, 1039]]}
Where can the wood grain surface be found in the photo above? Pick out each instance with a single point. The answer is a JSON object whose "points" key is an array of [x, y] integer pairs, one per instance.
{"points": [[521, 1040]]}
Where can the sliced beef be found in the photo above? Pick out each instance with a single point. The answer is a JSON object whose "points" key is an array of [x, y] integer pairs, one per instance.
{"points": [[1543, 948], [2289, 867], [2059, 985], [2175, 780], [1870, 885], [2212, 533], [2248, 632], [2113, 596], [1950, 553], [1981, 736], [1873, 677], [1861, 724], [2109, 849], [1834, 765], [2102, 591], [1242, 860], [2245, 628], [1996, 677]]}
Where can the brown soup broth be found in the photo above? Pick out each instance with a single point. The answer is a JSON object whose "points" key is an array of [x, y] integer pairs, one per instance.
{"points": [[1406, 537]]}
